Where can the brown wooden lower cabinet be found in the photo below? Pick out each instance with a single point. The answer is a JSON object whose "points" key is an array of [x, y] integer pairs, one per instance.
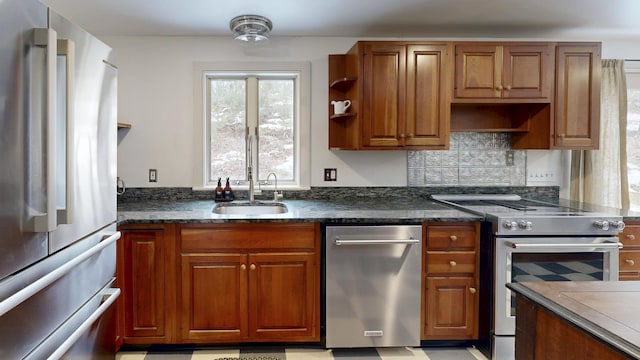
{"points": [[219, 283], [249, 282], [147, 302], [450, 281], [629, 259], [451, 310]]}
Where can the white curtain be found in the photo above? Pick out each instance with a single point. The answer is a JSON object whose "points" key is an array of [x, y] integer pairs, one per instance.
{"points": [[600, 176]]}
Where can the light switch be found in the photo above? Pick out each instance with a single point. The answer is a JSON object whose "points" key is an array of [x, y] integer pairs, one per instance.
{"points": [[330, 174]]}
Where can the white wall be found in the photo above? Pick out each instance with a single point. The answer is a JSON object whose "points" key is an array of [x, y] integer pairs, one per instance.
{"points": [[156, 98]]}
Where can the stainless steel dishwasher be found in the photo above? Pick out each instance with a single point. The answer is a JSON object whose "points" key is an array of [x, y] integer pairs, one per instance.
{"points": [[373, 286]]}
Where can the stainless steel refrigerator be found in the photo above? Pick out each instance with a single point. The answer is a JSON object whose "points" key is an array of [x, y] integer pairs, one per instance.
{"points": [[58, 139]]}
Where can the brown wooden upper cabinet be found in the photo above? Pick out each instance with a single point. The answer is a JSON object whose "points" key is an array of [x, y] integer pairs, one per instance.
{"points": [[577, 106], [411, 95], [400, 94], [499, 71]]}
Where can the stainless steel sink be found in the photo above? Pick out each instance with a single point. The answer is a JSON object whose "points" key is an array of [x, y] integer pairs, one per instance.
{"points": [[250, 208]]}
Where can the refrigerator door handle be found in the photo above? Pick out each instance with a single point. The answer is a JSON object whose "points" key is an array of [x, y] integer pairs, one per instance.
{"points": [[111, 296], [66, 48], [47, 221], [19, 297]]}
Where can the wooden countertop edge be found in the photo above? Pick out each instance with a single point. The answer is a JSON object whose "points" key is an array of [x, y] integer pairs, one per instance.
{"points": [[575, 318]]}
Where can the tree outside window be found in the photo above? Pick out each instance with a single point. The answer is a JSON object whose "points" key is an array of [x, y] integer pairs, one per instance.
{"points": [[263, 105]]}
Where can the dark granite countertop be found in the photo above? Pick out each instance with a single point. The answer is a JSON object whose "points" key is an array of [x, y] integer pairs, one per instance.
{"points": [[607, 310], [329, 205], [351, 210]]}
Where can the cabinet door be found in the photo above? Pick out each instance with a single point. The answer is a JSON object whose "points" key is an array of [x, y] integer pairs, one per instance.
{"points": [[451, 308], [478, 71], [427, 95], [283, 297], [214, 297], [527, 71], [383, 95], [577, 115], [143, 283], [518, 71]]}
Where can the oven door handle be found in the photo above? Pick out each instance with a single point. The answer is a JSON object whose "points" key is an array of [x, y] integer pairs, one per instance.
{"points": [[605, 245]]}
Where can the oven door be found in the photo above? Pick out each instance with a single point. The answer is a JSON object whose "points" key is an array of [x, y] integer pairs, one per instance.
{"points": [[548, 259]]}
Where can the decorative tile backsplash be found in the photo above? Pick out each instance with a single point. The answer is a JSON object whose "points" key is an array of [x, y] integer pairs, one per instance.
{"points": [[474, 159]]}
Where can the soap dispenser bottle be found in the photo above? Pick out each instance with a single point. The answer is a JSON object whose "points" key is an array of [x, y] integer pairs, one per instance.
{"points": [[228, 193], [219, 196]]}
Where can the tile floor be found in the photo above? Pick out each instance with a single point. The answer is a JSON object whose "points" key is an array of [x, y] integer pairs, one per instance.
{"points": [[404, 353]]}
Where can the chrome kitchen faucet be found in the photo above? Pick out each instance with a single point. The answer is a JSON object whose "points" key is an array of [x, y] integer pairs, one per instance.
{"points": [[250, 169]]}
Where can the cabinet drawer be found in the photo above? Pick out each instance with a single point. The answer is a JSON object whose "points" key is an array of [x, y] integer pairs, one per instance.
{"points": [[630, 236], [445, 237], [451, 262], [271, 236], [629, 260], [629, 276]]}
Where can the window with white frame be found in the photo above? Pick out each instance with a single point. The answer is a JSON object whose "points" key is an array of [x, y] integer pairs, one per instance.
{"points": [[253, 114], [632, 71]]}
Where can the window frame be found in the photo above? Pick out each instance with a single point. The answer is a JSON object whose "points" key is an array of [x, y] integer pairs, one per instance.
{"points": [[302, 126]]}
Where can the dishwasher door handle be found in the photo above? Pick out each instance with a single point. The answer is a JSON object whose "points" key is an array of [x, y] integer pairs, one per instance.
{"points": [[410, 241]]}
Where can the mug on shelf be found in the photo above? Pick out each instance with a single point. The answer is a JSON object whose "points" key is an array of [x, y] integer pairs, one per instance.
{"points": [[340, 107]]}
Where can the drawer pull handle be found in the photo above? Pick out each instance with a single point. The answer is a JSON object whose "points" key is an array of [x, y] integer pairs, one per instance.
{"points": [[631, 237], [243, 267], [452, 263], [453, 238], [472, 290], [253, 266], [630, 262]]}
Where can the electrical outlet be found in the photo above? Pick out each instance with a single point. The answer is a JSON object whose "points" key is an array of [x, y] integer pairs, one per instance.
{"points": [[330, 174], [153, 175], [542, 177], [509, 158]]}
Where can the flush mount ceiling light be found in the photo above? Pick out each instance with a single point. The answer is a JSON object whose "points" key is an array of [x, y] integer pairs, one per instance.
{"points": [[252, 28]]}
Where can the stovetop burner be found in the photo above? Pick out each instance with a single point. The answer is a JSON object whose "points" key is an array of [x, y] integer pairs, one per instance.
{"points": [[506, 204], [514, 216]]}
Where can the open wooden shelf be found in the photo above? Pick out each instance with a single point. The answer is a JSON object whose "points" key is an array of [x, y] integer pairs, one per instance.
{"points": [[343, 84], [342, 116]]}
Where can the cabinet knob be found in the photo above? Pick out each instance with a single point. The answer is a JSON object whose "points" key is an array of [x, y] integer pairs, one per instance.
{"points": [[508, 87], [253, 266], [452, 263], [243, 267], [401, 136], [410, 135], [630, 262], [472, 290], [499, 88], [453, 238], [630, 237]]}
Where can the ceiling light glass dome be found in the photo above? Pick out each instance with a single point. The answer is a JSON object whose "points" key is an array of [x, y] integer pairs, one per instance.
{"points": [[251, 28]]}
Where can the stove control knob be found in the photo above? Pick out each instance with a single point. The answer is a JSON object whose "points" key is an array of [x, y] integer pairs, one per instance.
{"points": [[525, 225], [510, 225], [602, 225], [617, 224]]}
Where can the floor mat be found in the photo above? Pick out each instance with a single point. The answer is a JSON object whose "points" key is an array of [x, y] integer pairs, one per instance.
{"points": [[249, 358]]}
